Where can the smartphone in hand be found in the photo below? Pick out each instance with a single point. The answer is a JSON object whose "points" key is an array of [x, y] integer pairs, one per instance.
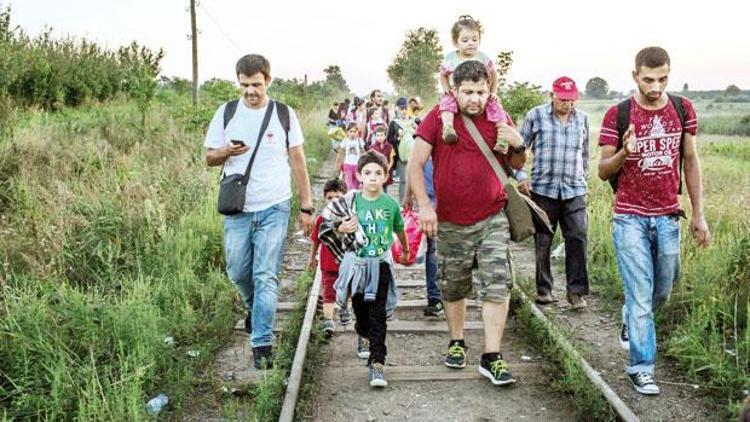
{"points": [[237, 142]]}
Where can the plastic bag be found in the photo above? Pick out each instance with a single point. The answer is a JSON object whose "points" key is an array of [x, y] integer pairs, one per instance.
{"points": [[413, 236]]}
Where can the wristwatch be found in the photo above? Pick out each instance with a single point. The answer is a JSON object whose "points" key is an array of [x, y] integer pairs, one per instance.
{"points": [[310, 210]]}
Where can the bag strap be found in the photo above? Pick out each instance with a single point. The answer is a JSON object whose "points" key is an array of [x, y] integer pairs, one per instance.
{"points": [[677, 103], [538, 214], [266, 119], [477, 137], [263, 127]]}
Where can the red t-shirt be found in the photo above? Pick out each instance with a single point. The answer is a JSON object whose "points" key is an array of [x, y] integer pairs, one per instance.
{"points": [[649, 179], [386, 149], [327, 259], [466, 188]]}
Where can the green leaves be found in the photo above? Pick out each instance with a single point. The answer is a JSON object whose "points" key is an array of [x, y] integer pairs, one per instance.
{"points": [[414, 68]]}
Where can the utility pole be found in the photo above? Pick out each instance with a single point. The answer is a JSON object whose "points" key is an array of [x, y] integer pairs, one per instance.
{"points": [[194, 39]]}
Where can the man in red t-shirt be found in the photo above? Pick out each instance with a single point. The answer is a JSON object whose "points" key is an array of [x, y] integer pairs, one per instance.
{"points": [[646, 227], [474, 232]]}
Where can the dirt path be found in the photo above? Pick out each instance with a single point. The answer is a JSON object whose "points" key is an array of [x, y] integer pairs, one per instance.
{"points": [[420, 387], [596, 331]]}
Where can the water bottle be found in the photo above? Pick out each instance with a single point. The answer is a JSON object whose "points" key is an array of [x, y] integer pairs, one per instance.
{"points": [[156, 404]]}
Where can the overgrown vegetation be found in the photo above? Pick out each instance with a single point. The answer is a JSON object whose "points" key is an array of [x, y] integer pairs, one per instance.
{"points": [[705, 325], [569, 375], [110, 243]]}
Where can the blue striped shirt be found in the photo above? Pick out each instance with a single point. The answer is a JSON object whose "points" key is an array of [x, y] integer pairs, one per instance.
{"points": [[561, 152]]}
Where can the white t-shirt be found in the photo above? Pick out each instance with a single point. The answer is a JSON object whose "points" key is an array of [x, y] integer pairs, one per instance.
{"points": [[270, 179], [353, 148]]}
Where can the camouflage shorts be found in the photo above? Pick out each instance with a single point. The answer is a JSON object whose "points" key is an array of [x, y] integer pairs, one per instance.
{"points": [[479, 250]]}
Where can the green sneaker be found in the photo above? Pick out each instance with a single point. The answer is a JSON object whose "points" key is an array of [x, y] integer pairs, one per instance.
{"points": [[496, 369], [456, 356]]}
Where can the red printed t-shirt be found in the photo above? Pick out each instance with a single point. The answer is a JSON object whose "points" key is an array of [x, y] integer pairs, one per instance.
{"points": [[327, 260], [649, 179], [386, 149], [466, 188]]}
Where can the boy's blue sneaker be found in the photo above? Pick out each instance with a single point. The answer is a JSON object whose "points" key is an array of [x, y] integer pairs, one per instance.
{"points": [[377, 377], [345, 318], [363, 348]]}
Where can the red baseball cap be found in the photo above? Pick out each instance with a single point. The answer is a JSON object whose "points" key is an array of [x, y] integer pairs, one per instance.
{"points": [[565, 88]]}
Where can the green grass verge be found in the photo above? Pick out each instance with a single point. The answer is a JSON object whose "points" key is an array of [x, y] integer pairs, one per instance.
{"points": [[569, 377]]}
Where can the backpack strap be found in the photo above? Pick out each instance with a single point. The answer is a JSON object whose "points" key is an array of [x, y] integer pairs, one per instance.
{"points": [[282, 110], [623, 121], [229, 111], [677, 103]]}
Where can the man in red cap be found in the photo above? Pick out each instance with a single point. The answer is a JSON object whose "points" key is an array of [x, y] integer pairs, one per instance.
{"points": [[558, 136]]}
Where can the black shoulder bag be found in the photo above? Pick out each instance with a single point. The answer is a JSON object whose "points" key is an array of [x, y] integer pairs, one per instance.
{"points": [[232, 188]]}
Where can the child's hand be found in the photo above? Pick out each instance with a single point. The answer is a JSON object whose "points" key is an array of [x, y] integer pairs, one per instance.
{"points": [[501, 146], [349, 225], [404, 257]]}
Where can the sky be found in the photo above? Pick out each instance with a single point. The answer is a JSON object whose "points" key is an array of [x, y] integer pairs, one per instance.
{"points": [[708, 41]]}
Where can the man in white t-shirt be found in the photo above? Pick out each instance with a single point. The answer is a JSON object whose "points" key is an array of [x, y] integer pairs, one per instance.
{"points": [[254, 239]]}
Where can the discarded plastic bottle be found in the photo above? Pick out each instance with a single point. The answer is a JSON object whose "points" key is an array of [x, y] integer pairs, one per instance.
{"points": [[155, 405]]}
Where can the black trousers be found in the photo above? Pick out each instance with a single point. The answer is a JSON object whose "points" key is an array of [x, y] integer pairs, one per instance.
{"points": [[371, 317], [571, 215]]}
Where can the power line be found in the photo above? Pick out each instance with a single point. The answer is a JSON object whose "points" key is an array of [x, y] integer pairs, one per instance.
{"points": [[239, 50]]}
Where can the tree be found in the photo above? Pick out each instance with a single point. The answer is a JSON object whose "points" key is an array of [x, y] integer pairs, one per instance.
{"points": [[141, 67], [597, 87], [504, 62], [733, 90], [685, 87], [335, 80], [414, 68], [520, 97]]}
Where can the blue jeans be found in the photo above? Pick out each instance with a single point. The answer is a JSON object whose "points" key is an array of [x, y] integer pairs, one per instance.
{"points": [[253, 248], [648, 257], [431, 270]]}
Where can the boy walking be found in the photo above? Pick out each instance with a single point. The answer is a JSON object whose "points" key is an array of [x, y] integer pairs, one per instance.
{"points": [[365, 222], [329, 265]]}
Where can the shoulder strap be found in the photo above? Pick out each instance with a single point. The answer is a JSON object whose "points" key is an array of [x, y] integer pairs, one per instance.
{"points": [[282, 110], [263, 127], [622, 123], [477, 137], [623, 120], [677, 103], [229, 111]]}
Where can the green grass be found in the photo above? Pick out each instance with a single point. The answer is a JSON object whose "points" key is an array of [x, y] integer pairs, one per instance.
{"points": [[569, 375], [109, 242], [705, 325]]}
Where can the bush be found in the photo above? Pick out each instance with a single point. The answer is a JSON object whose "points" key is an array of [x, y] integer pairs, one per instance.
{"points": [[521, 97]]}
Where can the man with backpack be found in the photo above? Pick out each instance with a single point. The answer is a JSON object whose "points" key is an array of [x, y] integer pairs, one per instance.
{"points": [[262, 140], [644, 142]]}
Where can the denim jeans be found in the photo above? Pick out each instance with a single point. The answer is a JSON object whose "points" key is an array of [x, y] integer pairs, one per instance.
{"points": [[431, 270], [648, 257], [253, 248]]}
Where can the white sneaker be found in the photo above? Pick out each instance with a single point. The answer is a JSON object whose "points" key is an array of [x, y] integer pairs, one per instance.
{"points": [[644, 383], [363, 348]]}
